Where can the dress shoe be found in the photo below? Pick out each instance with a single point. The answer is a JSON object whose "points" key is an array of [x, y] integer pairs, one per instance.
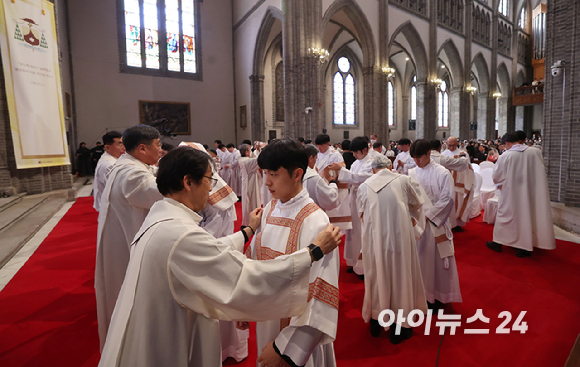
{"points": [[361, 276], [458, 229], [406, 333], [523, 253], [375, 328], [494, 246], [350, 269]]}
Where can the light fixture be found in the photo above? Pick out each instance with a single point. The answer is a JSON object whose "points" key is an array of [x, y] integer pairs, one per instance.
{"points": [[319, 55], [496, 95], [442, 66], [471, 89], [437, 82], [389, 72], [406, 59]]}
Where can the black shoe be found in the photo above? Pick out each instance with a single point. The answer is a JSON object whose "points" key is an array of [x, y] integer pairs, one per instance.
{"points": [[436, 306], [375, 328], [361, 276], [523, 253], [494, 246], [406, 333], [458, 229], [350, 270]]}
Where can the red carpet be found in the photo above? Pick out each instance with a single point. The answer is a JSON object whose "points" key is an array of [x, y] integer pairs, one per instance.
{"points": [[48, 318]]}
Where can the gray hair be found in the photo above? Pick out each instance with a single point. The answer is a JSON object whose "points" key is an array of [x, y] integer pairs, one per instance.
{"points": [[381, 162], [311, 150], [244, 148]]}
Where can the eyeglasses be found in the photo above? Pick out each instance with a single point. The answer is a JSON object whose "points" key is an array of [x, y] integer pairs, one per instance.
{"points": [[213, 181]]}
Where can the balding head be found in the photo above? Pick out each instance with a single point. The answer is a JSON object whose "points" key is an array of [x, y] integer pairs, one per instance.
{"points": [[452, 143]]}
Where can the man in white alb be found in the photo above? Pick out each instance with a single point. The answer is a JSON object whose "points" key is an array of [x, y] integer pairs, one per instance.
{"points": [[403, 161], [324, 194], [251, 183], [114, 148], [168, 307], [524, 215], [235, 180], [359, 171], [289, 224], [390, 206], [129, 194], [435, 248]]}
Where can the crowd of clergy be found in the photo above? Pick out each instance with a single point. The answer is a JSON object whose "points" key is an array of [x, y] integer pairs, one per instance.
{"points": [[176, 284]]}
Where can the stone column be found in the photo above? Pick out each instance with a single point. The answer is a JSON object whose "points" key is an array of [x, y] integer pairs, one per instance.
{"points": [[455, 106], [502, 118], [257, 107], [485, 116], [520, 118], [426, 118]]}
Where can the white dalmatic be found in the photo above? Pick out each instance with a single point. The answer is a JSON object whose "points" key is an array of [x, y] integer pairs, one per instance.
{"points": [[168, 309], [435, 248], [408, 161], [225, 159], [359, 171], [130, 192], [524, 214], [324, 194], [251, 186], [390, 206], [235, 181], [464, 185], [286, 228], [103, 168], [340, 216]]}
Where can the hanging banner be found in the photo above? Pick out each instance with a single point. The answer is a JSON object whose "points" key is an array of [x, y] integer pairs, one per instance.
{"points": [[32, 78]]}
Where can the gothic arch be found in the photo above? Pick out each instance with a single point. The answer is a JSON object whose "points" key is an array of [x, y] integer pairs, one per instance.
{"points": [[482, 73], [361, 24], [455, 67], [272, 14], [419, 55], [521, 78], [503, 79]]}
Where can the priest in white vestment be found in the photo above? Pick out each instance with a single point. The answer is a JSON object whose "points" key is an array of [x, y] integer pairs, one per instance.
{"points": [[403, 161], [341, 215], [168, 306], [289, 224], [359, 171], [251, 183], [129, 194], [235, 180], [390, 206], [224, 157], [114, 148], [323, 193], [524, 215], [435, 248], [453, 149]]}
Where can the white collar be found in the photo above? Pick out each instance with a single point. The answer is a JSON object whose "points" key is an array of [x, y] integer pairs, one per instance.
{"points": [[518, 148], [296, 202], [190, 213]]}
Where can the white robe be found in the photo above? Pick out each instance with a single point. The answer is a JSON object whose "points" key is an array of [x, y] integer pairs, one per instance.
{"points": [[130, 192], [235, 181], [340, 216], [251, 185], [435, 251], [524, 215], [181, 280], [408, 161], [103, 168], [323, 194], [225, 158], [359, 171], [288, 227], [393, 219], [453, 153]]}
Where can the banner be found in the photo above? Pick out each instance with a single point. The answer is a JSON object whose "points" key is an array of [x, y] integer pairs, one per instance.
{"points": [[32, 77]]}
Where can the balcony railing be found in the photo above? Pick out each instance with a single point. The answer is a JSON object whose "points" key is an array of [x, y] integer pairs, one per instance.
{"points": [[529, 95]]}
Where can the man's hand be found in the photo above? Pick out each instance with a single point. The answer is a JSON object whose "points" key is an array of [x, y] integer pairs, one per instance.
{"points": [[336, 166], [328, 239], [401, 164], [255, 218], [269, 357], [242, 325]]}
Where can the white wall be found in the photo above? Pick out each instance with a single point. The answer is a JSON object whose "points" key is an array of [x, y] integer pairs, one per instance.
{"points": [[108, 99]]}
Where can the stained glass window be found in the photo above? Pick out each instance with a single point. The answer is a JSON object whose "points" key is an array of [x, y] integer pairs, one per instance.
{"points": [[443, 106], [344, 94], [391, 104], [145, 45], [503, 7], [414, 100], [522, 22]]}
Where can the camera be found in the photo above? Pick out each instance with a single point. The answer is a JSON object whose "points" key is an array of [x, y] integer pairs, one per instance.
{"points": [[557, 68]]}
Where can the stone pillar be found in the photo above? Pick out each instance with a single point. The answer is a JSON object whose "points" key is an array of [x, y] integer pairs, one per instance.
{"points": [[404, 122], [502, 118], [426, 119], [455, 106], [485, 118], [257, 107], [520, 118]]}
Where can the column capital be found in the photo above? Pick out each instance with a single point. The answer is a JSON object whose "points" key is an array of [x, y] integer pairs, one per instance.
{"points": [[256, 78]]}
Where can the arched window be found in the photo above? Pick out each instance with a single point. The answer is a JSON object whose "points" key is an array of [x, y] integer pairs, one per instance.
{"points": [[391, 104], [344, 96], [414, 99], [504, 7], [443, 106], [173, 52], [280, 91], [522, 22]]}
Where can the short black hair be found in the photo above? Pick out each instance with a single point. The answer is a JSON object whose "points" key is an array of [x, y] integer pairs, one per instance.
{"points": [[99, 143], [213, 151], [139, 134], [404, 141], [308, 141], [346, 144], [206, 147], [109, 137], [221, 146], [359, 144], [322, 139], [420, 148], [435, 145], [377, 145], [247, 141], [286, 153], [301, 139], [218, 142], [521, 135], [178, 163], [167, 147], [230, 145], [510, 138]]}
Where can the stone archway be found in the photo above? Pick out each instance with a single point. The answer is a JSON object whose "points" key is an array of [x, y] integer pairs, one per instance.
{"points": [[457, 95], [485, 102]]}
